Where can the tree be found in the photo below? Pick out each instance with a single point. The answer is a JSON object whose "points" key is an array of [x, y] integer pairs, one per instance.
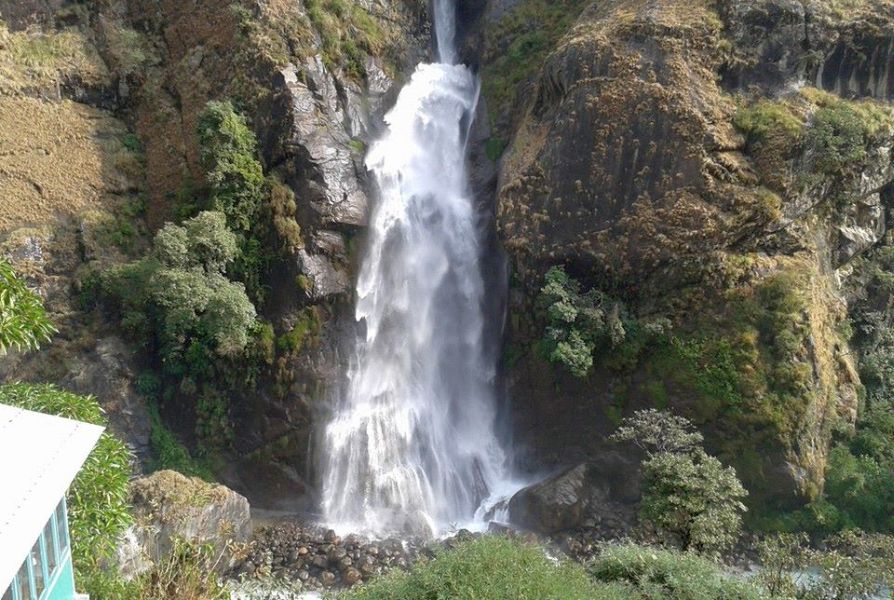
{"points": [[201, 242], [688, 496], [23, 321], [693, 498], [657, 431]]}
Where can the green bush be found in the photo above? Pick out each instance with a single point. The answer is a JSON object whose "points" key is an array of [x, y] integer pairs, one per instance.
{"points": [[186, 573], [489, 568], [861, 488], [766, 119], [229, 155], [23, 321], [578, 322], [836, 139], [347, 31], [98, 499], [688, 496], [180, 305], [169, 453], [658, 574], [851, 566], [693, 498], [517, 46], [238, 189]]}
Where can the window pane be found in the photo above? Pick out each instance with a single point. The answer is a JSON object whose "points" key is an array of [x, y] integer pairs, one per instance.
{"points": [[62, 526], [24, 585], [37, 569], [50, 545]]}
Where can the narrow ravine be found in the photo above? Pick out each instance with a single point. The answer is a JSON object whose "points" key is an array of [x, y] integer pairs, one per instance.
{"points": [[412, 447]]}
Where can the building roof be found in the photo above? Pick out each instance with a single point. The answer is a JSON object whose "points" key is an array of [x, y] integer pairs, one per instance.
{"points": [[39, 457]]}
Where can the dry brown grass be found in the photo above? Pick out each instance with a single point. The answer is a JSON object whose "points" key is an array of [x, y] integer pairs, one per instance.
{"points": [[35, 60], [57, 159]]}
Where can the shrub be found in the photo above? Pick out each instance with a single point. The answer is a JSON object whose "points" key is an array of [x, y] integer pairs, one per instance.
{"points": [[766, 119], [688, 496], [489, 568], [23, 321], [836, 139], [693, 498], [228, 151], [850, 566], [861, 486], [658, 574], [578, 322], [517, 46], [657, 431], [186, 573], [179, 304], [346, 30], [237, 188], [98, 499], [169, 453], [202, 242]]}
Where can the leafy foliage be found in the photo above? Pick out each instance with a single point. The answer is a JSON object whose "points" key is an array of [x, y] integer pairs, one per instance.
{"points": [[836, 139], [179, 302], [577, 322], [768, 119], [186, 573], [657, 431], [23, 321], [98, 499], [658, 574], [850, 566], [234, 175], [693, 498], [347, 31], [169, 453], [489, 568], [688, 496], [517, 46]]}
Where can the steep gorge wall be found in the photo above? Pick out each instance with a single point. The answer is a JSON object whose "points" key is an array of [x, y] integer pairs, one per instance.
{"points": [[630, 163], [313, 80]]}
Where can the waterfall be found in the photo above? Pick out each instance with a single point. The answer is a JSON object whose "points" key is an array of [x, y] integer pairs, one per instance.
{"points": [[411, 447]]}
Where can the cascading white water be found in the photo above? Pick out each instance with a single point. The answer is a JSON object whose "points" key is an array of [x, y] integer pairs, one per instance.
{"points": [[412, 445]]}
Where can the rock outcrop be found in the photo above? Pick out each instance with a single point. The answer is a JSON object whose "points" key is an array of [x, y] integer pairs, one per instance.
{"points": [[170, 508], [635, 162], [116, 88], [595, 495]]}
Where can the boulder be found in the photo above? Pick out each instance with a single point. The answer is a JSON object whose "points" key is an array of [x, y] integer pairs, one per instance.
{"points": [[169, 506], [581, 496], [557, 503]]}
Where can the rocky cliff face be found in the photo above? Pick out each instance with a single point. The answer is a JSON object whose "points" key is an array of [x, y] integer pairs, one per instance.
{"points": [[720, 171], [676, 156], [110, 93]]}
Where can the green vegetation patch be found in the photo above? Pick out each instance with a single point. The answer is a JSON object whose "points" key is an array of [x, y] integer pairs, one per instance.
{"points": [[517, 46], [489, 568], [659, 574], [24, 323], [347, 32]]}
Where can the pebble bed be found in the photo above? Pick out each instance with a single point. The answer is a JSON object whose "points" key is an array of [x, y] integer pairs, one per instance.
{"points": [[308, 558]]}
